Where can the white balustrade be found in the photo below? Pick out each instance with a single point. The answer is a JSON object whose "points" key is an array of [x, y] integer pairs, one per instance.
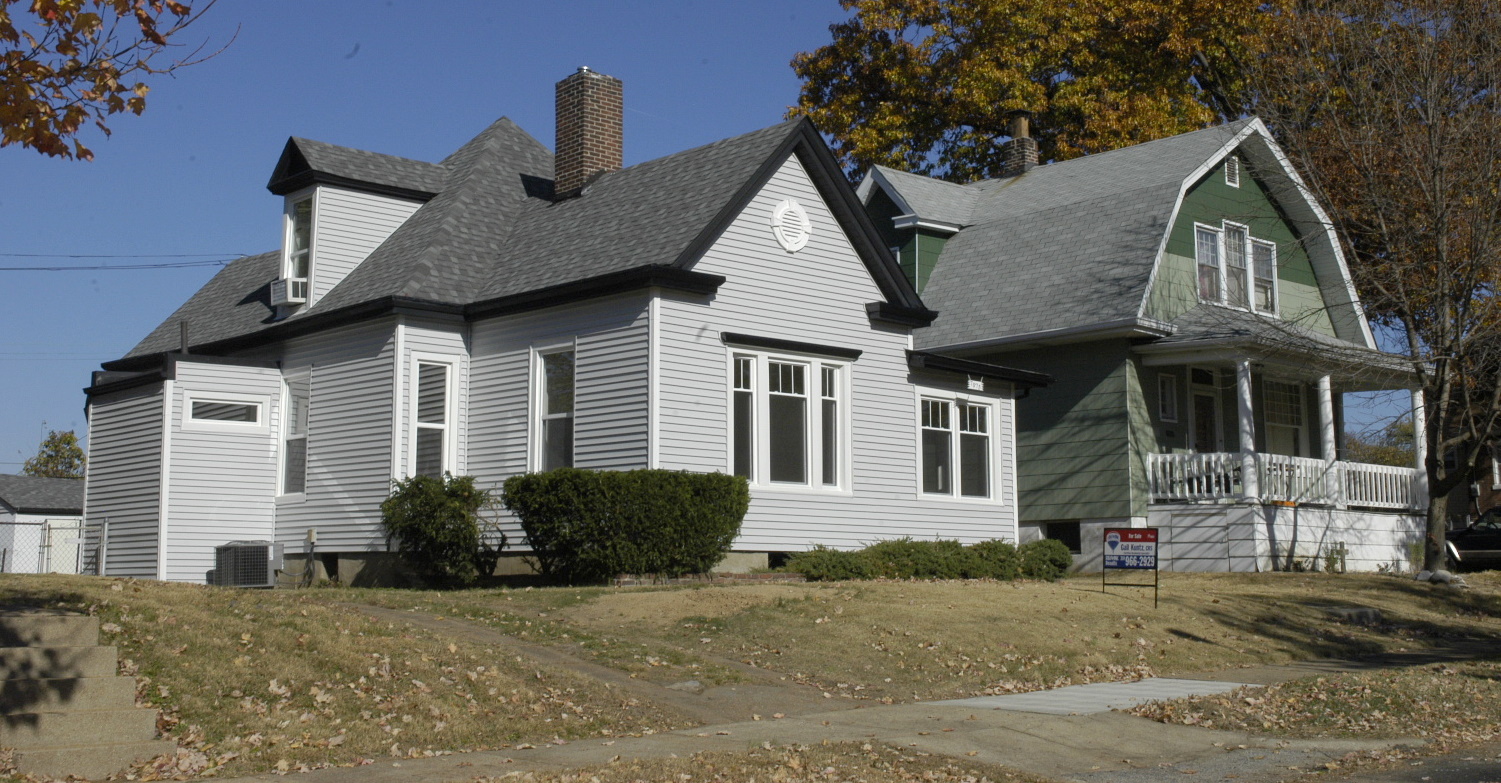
{"points": [[1216, 477]]}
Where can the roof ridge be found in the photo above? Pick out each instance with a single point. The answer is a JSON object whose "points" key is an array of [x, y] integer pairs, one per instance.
{"points": [[1242, 122]]}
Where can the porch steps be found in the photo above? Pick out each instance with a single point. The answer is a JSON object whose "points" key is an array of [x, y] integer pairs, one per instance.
{"points": [[62, 708]]}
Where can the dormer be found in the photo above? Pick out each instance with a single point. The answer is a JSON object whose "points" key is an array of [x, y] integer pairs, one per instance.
{"points": [[915, 217], [339, 204]]}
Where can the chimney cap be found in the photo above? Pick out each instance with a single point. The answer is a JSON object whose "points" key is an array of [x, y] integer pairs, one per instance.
{"points": [[583, 69]]}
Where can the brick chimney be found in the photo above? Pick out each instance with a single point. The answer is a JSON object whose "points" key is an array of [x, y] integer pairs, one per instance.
{"points": [[1019, 155], [591, 111]]}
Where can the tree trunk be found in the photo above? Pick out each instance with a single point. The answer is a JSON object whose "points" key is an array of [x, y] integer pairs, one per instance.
{"points": [[1435, 554]]}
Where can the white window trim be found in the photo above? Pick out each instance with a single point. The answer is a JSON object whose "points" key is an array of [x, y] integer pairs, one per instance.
{"points": [[761, 421], [289, 204], [262, 405], [1167, 389], [993, 404], [1224, 268], [538, 401], [281, 435], [1495, 467], [450, 410]]}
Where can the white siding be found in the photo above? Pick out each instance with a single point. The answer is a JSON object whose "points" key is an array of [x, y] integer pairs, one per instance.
{"points": [[434, 340], [124, 478], [349, 437], [611, 397], [816, 295], [349, 225], [221, 483]]}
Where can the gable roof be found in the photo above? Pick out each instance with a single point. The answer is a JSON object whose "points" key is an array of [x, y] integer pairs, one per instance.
{"points": [[1072, 247], [306, 162], [492, 237], [36, 495]]}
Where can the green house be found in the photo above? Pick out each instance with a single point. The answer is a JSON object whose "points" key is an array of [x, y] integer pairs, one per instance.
{"points": [[1192, 303]]}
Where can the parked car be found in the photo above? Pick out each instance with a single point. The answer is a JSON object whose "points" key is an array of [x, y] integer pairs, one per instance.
{"points": [[1479, 545]]}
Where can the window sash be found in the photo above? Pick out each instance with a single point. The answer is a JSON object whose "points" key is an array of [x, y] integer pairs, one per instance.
{"points": [[556, 393], [294, 444], [1167, 398], [1264, 265], [1207, 251], [430, 405], [784, 430], [955, 439], [225, 411], [1237, 283]]}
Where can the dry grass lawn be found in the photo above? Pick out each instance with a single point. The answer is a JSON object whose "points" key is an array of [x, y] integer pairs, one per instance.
{"points": [[902, 641], [272, 680]]}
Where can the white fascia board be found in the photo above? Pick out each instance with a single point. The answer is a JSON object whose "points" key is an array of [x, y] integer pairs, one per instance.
{"points": [[913, 221], [1125, 327]]}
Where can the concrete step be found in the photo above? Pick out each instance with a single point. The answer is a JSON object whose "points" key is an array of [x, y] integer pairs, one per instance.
{"points": [[23, 663], [72, 693], [42, 628], [53, 728], [89, 761]]}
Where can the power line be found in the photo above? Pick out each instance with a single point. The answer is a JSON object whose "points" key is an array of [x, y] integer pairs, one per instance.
{"points": [[122, 255], [116, 267]]}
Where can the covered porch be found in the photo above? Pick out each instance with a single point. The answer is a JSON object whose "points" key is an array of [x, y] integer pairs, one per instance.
{"points": [[1260, 422]]}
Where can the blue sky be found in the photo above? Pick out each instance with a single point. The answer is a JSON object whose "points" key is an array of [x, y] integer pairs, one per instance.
{"points": [[402, 77]]}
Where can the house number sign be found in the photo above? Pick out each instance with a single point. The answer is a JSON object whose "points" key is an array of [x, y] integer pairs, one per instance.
{"points": [[790, 224]]}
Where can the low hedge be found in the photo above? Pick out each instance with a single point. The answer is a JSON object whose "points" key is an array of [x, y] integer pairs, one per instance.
{"points": [[587, 526], [906, 558], [439, 530]]}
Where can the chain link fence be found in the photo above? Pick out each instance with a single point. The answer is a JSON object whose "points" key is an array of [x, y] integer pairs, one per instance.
{"points": [[50, 546]]}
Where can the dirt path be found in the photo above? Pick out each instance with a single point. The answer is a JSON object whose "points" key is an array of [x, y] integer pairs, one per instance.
{"points": [[767, 693]]}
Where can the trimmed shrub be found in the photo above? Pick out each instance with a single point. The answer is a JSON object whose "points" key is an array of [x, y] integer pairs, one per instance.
{"points": [[905, 558], [588, 526], [997, 560], [436, 525], [821, 564], [1045, 559]]}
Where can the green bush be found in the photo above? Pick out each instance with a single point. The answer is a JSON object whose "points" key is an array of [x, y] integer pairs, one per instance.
{"points": [[905, 558], [589, 526], [821, 564], [997, 560], [1045, 559], [436, 525]]}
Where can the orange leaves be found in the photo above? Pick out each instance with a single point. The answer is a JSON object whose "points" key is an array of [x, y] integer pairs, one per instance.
{"points": [[64, 62]]}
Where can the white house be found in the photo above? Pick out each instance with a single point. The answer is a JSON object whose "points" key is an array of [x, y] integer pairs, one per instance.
{"points": [[729, 308], [39, 524]]}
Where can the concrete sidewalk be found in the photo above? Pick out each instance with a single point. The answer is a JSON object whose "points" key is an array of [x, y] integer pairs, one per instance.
{"points": [[1094, 744]]}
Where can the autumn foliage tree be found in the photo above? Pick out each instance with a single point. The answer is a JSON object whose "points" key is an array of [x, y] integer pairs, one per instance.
{"points": [[59, 456], [67, 63], [928, 85], [1392, 110]]}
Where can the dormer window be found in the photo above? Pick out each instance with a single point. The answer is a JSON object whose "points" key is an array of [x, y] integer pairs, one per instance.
{"points": [[1235, 268], [299, 244]]}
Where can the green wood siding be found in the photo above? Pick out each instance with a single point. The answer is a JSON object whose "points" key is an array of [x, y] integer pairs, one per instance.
{"points": [[1211, 201], [1073, 438], [916, 250]]}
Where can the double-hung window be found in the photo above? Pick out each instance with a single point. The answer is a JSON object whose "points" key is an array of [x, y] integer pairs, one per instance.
{"points": [[957, 447], [294, 439], [555, 409], [299, 245], [787, 425], [432, 433], [1235, 268]]}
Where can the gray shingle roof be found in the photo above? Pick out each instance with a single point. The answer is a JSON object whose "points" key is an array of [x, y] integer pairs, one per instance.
{"points": [[1208, 325], [933, 199], [359, 165], [33, 495], [1064, 245], [493, 230]]}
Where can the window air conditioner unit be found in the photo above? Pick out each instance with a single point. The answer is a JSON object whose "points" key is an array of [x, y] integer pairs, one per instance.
{"points": [[247, 564], [285, 291]]}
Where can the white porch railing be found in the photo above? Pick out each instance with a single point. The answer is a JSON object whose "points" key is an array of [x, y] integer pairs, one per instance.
{"points": [[1216, 476]]}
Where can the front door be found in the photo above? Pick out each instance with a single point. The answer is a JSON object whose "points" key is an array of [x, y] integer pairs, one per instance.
{"points": [[1206, 423]]}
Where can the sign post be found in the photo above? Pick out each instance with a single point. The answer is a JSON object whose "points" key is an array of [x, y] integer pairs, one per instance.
{"points": [[1131, 549]]}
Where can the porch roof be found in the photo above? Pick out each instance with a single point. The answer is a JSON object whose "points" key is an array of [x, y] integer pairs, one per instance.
{"points": [[1211, 333]]}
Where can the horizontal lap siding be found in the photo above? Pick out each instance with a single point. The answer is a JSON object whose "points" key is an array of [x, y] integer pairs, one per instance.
{"points": [[611, 399], [348, 226], [349, 437], [816, 295], [222, 482], [124, 479], [1073, 438]]}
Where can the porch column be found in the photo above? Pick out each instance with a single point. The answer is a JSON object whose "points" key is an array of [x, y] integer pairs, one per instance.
{"points": [[1420, 449], [1333, 486], [1249, 480]]}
